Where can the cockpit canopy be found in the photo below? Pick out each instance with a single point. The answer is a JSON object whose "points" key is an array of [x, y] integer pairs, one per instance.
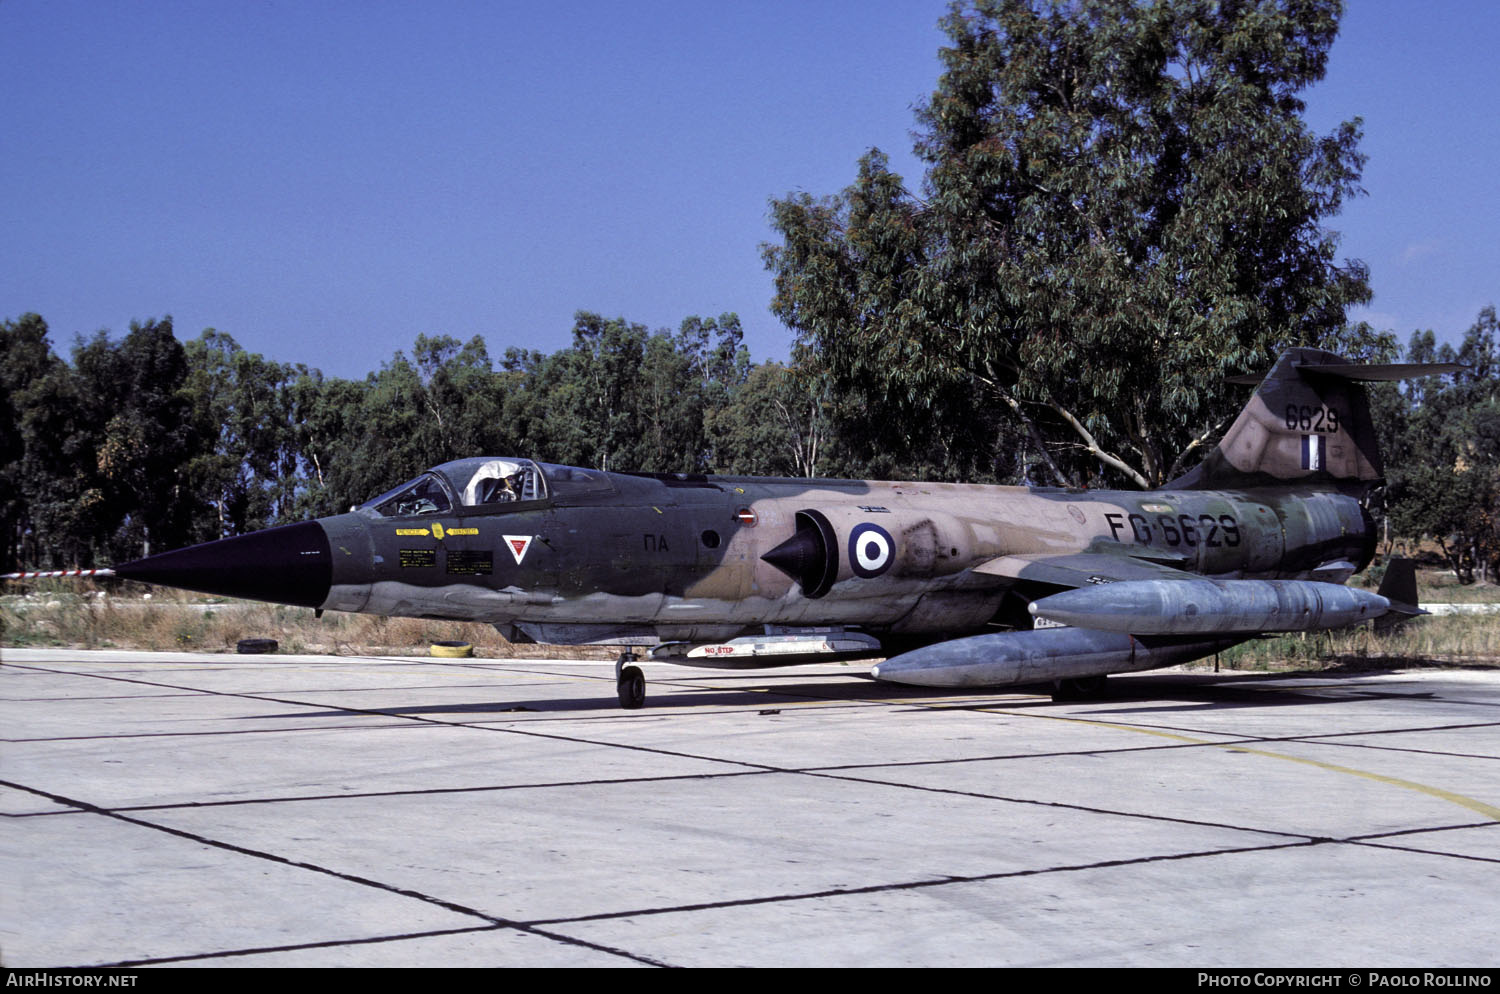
{"points": [[486, 484]]}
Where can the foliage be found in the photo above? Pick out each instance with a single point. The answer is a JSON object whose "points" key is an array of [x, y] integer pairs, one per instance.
{"points": [[33, 445], [772, 425], [96, 451], [144, 439], [247, 462], [1121, 205], [1445, 432]]}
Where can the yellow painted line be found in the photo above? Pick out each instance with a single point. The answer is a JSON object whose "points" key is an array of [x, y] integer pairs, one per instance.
{"points": [[1489, 811]]}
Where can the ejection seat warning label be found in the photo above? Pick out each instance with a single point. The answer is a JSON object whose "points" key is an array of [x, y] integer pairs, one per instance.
{"points": [[471, 563], [418, 557]]}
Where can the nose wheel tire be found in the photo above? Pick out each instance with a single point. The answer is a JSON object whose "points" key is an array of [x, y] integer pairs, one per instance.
{"points": [[632, 687]]}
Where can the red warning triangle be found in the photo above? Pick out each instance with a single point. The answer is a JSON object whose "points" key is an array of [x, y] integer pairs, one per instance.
{"points": [[518, 545]]}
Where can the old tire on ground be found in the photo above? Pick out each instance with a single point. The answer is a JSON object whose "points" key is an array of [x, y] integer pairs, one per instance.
{"points": [[451, 650], [254, 647]]}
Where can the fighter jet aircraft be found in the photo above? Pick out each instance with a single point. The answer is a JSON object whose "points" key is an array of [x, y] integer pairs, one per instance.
{"points": [[956, 585]]}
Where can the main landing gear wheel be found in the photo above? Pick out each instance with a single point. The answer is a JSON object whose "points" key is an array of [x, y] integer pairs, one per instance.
{"points": [[630, 682], [1087, 688]]}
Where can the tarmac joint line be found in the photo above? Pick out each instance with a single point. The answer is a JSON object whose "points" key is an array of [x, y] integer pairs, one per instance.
{"points": [[1489, 811]]}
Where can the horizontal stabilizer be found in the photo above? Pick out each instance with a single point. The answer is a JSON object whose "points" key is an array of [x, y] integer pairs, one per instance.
{"points": [[1382, 372], [1373, 372]]}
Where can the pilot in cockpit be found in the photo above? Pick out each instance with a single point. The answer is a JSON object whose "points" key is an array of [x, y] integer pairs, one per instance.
{"points": [[508, 490], [498, 481]]}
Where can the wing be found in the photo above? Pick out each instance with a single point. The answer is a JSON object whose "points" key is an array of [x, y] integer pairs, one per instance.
{"points": [[1132, 595], [1078, 569]]}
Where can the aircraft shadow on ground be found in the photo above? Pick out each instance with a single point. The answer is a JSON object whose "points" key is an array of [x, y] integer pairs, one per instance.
{"points": [[1134, 695]]}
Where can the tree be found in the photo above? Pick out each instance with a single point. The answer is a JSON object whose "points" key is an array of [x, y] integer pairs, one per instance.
{"points": [[1445, 479], [775, 423], [669, 408], [138, 494], [1121, 206], [34, 470], [328, 415], [717, 366], [459, 397], [584, 395], [144, 440], [246, 466]]}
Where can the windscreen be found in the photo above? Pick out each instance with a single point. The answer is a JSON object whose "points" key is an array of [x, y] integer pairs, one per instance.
{"points": [[424, 495]]}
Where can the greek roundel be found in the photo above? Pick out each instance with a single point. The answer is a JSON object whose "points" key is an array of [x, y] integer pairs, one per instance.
{"points": [[870, 550]]}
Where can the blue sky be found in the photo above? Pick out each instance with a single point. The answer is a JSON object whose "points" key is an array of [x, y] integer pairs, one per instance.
{"points": [[326, 180]]}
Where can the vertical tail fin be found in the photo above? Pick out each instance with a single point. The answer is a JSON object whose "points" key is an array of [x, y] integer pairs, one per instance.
{"points": [[1308, 422]]}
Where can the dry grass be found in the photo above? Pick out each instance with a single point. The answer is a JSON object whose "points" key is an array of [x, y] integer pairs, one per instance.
{"points": [[1455, 640], [180, 621], [1444, 589], [56, 613]]}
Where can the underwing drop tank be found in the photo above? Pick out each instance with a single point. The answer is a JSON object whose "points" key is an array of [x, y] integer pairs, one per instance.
{"points": [[1211, 607], [1011, 659]]}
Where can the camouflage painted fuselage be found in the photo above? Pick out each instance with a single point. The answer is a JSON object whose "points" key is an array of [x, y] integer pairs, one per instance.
{"points": [[681, 558], [569, 555]]}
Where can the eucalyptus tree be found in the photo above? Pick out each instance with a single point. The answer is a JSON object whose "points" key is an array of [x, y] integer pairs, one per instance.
{"points": [[246, 466], [140, 495], [1122, 204], [1445, 478], [38, 463]]}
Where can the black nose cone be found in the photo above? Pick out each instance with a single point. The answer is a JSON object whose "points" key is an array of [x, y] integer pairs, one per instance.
{"points": [[286, 565]]}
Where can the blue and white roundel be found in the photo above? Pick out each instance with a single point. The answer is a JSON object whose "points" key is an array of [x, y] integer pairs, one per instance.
{"points": [[870, 550]]}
